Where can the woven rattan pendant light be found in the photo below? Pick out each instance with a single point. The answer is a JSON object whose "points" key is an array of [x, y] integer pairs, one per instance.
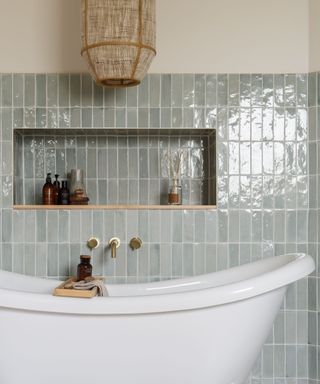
{"points": [[118, 40]]}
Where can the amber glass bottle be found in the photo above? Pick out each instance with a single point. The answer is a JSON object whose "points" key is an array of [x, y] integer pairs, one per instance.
{"points": [[48, 192], [56, 185], [84, 268]]}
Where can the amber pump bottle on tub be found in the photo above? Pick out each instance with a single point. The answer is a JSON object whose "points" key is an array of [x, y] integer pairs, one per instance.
{"points": [[84, 268], [48, 192]]}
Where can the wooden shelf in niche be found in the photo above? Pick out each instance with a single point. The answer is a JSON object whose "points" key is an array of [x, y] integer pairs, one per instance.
{"points": [[124, 167], [115, 207]]}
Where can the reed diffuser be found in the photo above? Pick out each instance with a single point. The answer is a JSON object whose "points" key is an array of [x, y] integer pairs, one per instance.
{"points": [[174, 160]]}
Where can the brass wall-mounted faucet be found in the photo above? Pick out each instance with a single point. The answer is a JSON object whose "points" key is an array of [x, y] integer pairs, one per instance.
{"points": [[114, 243]]}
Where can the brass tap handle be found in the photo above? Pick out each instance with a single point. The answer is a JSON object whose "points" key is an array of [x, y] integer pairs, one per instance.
{"points": [[114, 243], [93, 243], [135, 243]]}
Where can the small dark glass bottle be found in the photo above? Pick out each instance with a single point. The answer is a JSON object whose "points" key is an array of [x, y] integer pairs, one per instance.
{"points": [[84, 268], [64, 194]]}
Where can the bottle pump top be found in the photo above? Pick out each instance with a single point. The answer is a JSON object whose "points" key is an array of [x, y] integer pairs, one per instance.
{"points": [[48, 179]]}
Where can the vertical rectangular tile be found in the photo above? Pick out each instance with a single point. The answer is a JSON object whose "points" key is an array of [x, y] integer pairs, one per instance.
{"points": [[7, 90], [166, 90], [64, 90], [30, 90]]}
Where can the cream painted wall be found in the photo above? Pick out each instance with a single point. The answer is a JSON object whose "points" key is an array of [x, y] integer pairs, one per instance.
{"points": [[232, 36], [314, 42], [40, 36], [193, 36]]}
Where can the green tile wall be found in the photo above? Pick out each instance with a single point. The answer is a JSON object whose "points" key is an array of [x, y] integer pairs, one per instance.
{"points": [[268, 176]]}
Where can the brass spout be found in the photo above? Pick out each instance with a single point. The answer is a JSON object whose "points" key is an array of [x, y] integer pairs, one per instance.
{"points": [[114, 243]]}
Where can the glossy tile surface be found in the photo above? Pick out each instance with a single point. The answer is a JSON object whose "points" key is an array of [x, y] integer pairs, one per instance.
{"points": [[114, 164], [267, 129]]}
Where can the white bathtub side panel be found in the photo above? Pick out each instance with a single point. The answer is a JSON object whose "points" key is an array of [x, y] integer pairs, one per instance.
{"points": [[214, 345]]}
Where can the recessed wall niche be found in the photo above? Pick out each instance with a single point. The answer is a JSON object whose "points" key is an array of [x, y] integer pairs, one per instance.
{"points": [[122, 167]]}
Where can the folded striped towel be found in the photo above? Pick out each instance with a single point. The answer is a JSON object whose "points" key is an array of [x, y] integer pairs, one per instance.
{"points": [[87, 284]]}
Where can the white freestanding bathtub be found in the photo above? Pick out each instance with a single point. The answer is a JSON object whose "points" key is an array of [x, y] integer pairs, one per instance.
{"points": [[206, 329]]}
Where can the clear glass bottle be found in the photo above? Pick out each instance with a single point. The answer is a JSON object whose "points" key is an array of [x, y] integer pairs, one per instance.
{"points": [[77, 181], [84, 268], [78, 194], [175, 193]]}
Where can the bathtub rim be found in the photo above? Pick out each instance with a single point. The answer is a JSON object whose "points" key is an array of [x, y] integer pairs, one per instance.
{"points": [[297, 266]]}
